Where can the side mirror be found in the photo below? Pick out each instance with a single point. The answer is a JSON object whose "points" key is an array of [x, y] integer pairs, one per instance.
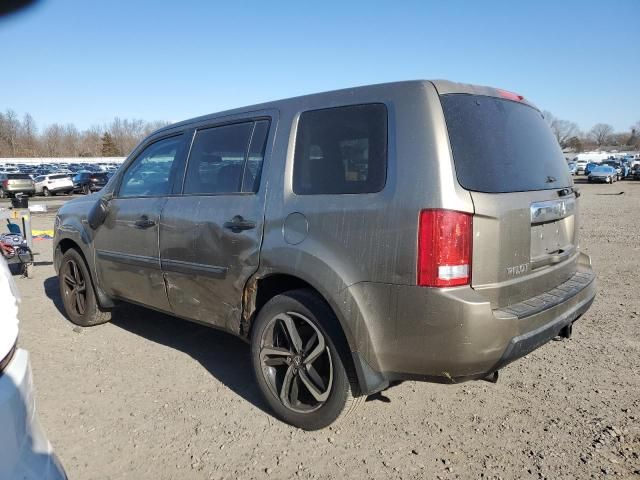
{"points": [[98, 213]]}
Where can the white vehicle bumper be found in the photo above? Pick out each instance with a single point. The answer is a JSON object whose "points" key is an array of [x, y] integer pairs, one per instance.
{"points": [[25, 452]]}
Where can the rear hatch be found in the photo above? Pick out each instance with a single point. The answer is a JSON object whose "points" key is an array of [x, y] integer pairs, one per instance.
{"points": [[99, 179], [18, 181], [525, 222], [59, 181]]}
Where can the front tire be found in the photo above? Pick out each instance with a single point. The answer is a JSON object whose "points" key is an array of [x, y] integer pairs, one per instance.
{"points": [[301, 361], [77, 293]]}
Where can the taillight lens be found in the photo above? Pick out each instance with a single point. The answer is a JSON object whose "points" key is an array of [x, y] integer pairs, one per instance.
{"points": [[444, 248]]}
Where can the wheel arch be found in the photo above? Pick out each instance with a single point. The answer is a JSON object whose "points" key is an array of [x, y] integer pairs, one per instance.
{"points": [[259, 290], [65, 244]]}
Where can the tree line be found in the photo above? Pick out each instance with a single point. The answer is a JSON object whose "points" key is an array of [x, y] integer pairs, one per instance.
{"points": [[20, 137], [601, 135]]}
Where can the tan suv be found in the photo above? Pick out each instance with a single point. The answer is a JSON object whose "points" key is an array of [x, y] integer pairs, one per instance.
{"points": [[419, 230], [12, 184]]}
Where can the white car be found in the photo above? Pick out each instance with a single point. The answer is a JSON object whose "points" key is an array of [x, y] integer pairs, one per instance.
{"points": [[581, 165], [52, 184], [25, 452]]}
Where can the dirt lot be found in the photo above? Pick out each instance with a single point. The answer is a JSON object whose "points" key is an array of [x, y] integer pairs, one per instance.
{"points": [[151, 397]]}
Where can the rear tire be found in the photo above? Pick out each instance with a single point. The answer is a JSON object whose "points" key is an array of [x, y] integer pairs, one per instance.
{"points": [[3, 194], [86, 190], [77, 293], [46, 192], [301, 361]]}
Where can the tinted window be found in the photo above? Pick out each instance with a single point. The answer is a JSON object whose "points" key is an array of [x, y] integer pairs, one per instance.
{"points": [[38, 179], [217, 159], [502, 146], [57, 177], [341, 150], [151, 172], [18, 176]]}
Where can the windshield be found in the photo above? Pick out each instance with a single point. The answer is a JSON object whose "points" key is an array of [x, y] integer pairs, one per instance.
{"points": [[502, 146]]}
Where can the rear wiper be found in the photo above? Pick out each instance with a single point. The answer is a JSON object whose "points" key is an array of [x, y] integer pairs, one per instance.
{"points": [[551, 179]]}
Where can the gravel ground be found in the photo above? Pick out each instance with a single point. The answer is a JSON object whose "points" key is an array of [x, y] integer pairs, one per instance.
{"points": [[152, 397]]}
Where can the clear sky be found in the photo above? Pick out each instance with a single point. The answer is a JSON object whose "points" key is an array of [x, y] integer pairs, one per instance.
{"points": [[85, 62]]}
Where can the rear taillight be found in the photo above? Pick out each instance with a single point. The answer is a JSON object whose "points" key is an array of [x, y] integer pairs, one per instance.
{"points": [[444, 248], [5, 183]]}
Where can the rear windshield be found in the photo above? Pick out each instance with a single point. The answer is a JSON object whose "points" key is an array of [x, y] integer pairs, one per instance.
{"points": [[18, 176], [57, 177], [101, 176], [502, 146]]}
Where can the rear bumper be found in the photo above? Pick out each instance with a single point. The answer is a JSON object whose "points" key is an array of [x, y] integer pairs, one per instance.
{"points": [[26, 452], [66, 189], [452, 335], [26, 191]]}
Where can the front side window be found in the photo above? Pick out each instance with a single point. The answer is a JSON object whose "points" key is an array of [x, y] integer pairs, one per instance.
{"points": [[226, 159], [151, 172], [341, 150]]}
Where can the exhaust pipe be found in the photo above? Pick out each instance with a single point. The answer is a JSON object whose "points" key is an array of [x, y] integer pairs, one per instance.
{"points": [[566, 331]]}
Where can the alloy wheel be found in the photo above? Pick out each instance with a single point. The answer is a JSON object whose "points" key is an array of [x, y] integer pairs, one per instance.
{"points": [[296, 362], [74, 288]]}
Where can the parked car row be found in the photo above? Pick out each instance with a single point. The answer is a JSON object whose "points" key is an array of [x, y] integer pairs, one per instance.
{"points": [[14, 183], [608, 171]]}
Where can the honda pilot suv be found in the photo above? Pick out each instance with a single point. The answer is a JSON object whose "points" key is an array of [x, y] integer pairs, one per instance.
{"points": [[416, 230]]}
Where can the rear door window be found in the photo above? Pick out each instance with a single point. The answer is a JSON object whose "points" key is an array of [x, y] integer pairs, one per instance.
{"points": [[227, 159], [341, 150], [500, 146]]}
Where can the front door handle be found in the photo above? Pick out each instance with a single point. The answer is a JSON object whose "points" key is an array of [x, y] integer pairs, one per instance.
{"points": [[237, 224], [144, 222]]}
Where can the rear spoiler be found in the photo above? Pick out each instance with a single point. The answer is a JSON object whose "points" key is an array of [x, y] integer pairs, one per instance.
{"points": [[445, 87]]}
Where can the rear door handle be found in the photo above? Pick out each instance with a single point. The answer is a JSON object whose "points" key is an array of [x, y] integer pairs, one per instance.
{"points": [[238, 224], [144, 222]]}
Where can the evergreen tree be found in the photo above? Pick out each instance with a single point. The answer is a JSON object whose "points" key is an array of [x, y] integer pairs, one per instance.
{"points": [[109, 148]]}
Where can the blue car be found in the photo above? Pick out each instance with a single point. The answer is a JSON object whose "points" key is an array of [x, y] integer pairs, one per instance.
{"points": [[590, 166]]}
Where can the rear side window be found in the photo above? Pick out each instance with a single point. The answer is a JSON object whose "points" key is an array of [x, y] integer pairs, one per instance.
{"points": [[502, 146], [226, 159], [341, 150]]}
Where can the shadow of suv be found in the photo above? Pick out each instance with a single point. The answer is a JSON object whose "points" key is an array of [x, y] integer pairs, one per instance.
{"points": [[414, 230]]}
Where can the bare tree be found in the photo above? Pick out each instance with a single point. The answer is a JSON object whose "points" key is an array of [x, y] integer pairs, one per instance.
{"points": [[601, 133], [562, 129], [28, 137], [9, 130], [70, 141], [91, 142], [52, 140]]}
